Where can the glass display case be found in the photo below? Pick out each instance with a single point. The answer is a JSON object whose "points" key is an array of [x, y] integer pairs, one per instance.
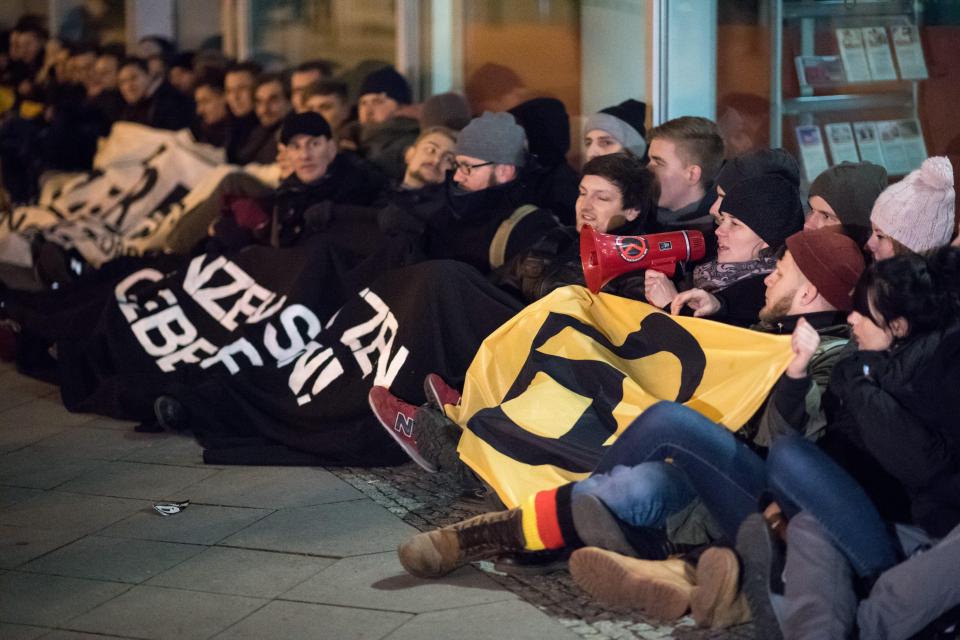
{"points": [[845, 82]]}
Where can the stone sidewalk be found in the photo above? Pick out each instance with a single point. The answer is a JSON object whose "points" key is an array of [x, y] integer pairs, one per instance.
{"points": [[261, 552]]}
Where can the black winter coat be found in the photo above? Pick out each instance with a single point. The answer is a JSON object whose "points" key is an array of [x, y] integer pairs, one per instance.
{"points": [[893, 424]]}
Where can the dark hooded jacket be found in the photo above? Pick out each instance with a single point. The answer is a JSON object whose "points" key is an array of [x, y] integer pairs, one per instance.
{"points": [[166, 108]]}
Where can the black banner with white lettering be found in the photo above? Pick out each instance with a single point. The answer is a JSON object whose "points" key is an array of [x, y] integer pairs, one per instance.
{"points": [[274, 347]]}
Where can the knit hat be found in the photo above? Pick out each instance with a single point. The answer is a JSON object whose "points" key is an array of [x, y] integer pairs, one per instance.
{"points": [[387, 80], [547, 126], [309, 123], [851, 188], [831, 261], [625, 122], [773, 162], [918, 211], [493, 137], [448, 110], [769, 205]]}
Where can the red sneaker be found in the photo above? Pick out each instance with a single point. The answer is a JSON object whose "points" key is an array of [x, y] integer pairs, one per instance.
{"points": [[396, 416], [438, 392]]}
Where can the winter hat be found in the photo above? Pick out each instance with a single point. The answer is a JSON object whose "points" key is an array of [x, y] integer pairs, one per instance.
{"points": [[831, 261], [547, 125], [387, 80], [625, 122], [774, 162], [918, 211], [308, 123], [851, 188], [448, 110], [769, 205], [493, 137]]}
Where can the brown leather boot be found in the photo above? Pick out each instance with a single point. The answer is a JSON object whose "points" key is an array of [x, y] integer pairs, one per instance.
{"points": [[717, 602], [658, 588], [438, 552]]}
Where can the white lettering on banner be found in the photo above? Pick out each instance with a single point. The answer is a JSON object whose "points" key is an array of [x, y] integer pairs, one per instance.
{"points": [[254, 303], [306, 366], [128, 307], [387, 369], [288, 320], [189, 355], [225, 356], [163, 324]]}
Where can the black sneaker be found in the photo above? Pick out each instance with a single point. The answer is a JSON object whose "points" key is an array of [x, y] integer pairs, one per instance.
{"points": [[170, 413], [533, 563], [597, 526], [762, 555], [437, 438]]}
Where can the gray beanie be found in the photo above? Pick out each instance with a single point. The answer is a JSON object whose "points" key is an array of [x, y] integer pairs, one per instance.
{"points": [[494, 137], [624, 122]]}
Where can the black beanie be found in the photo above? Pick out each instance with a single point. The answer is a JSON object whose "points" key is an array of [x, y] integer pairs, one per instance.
{"points": [[769, 205], [775, 162], [633, 112], [387, 80], [851, 188], [308, 123]]}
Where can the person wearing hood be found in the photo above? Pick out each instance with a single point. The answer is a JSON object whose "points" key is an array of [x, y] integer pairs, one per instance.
{"points": [[616, 129]]}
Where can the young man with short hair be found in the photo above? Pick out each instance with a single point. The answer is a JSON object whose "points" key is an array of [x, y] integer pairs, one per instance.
{"points": [[271, 104], [152, 101], [330, 99], [238, 86], [302, 77]]}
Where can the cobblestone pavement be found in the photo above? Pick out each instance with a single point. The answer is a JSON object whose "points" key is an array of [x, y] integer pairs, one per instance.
{"points": [[426, 501]]}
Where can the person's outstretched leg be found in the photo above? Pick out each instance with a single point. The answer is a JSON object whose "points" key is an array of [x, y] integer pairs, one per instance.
{"points": [[804, 478]]}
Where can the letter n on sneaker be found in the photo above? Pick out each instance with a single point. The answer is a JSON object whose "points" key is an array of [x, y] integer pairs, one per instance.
{"points": [[396, 416]]}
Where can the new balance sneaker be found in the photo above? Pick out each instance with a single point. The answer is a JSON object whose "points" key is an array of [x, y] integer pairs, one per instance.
{"points": [[438, 392], [397, 417]]}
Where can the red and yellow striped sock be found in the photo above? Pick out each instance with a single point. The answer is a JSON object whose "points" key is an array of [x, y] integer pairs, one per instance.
{"points": [[548, 520]]}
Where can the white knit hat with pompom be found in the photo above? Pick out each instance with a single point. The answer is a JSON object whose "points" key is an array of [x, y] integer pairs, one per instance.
{"points": [[918, 211]]}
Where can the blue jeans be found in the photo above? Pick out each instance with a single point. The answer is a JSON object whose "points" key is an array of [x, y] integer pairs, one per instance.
{"points": [[633, 480], [804, 478]]}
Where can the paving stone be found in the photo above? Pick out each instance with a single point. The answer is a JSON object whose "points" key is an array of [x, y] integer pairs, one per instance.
{"points": [[197, 524], [13, 495], [78, 635], [242, 572], [35, 599], [339, 529], [97, 444], [138, 480], [518, 620], [378, 581], [295, 620], [44, 412], [273, 487], [172, 449], [16, 390], [70, 512], [43, 468], [113, 559], [161, 614], [103, 422], [19, 545], [20, 631]]}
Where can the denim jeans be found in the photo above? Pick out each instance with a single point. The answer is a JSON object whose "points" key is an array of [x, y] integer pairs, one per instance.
{"points": [[804, 478], [635, 482]]}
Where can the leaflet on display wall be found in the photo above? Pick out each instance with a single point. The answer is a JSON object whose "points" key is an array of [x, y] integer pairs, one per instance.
{"points": [[853, 54], [878, 53], [911, 138], [906, 42], [840, 140], [812, 153], [868, 142], [891, 144]]}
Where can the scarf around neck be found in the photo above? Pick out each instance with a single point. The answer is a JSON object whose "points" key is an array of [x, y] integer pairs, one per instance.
{"points": [[714, 276]]}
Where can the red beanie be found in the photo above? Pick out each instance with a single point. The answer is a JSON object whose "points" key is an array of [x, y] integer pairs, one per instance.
{"points": [[831, 261]]}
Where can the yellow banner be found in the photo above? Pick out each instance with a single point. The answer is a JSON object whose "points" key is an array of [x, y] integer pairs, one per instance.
{"points": [[560, 381]]}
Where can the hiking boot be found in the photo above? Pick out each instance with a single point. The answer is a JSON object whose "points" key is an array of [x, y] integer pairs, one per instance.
{"points": [[438, 392], [436, 553], [717, 602], [762, 557], [170, 414], [658, 588], [397, 417], [437, 439]]}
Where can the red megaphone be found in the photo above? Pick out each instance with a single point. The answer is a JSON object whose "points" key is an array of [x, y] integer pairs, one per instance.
{"points": [[606, 256]]}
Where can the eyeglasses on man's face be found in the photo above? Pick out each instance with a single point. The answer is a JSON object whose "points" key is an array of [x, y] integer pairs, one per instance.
{"points": [[466, 168]]}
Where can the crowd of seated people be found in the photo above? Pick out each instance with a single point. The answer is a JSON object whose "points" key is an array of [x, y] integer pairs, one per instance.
{"points": [[847, 476]]}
